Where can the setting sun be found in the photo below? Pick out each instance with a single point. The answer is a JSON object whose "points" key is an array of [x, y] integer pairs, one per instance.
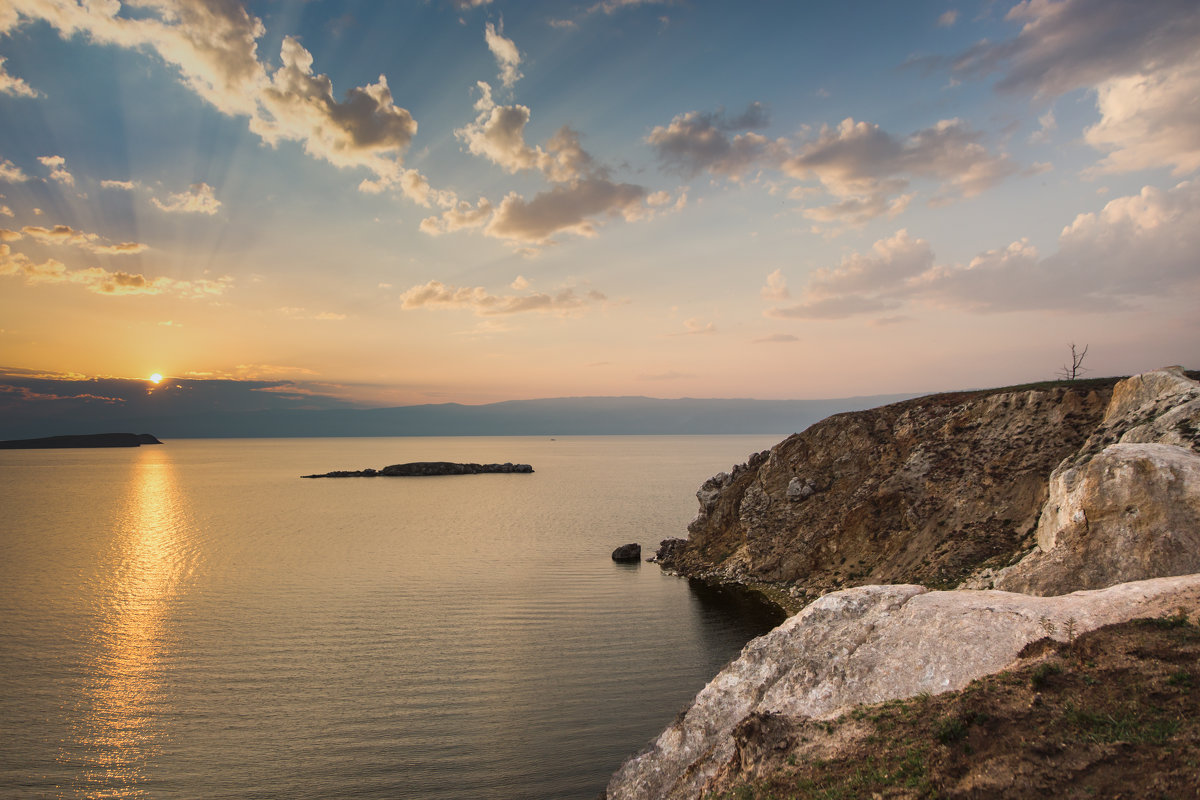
{"points": [[156, 378]]}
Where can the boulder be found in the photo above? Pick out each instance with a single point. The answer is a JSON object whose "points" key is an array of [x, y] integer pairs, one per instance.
{"points": [[628, 552], [1129, 513], [867, 645]]}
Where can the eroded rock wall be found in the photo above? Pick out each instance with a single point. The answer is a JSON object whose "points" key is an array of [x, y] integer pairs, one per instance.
{"points": [[923, 491]]}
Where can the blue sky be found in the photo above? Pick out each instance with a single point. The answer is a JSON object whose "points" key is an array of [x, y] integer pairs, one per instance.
{"points": [[477, 201]]}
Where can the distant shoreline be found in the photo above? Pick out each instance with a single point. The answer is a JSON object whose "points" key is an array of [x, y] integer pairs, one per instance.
{"points": [[80, 440]]}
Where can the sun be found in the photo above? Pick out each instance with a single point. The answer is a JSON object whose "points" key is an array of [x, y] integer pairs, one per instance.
{"points": [[156, 378]]}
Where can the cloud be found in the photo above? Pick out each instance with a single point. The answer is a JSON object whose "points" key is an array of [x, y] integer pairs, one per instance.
{"points": [[1072, 44], [214, 48], [776, 287], [198, 199], [508, 57], [5, 211], [58, 169], [11, 173], [126, 186], [696, 326], [1138, 246], [101, 281], [870, 169], [1149, 120], [1142, 61], [581, 192], [701, 141], [461, 217], [498, 134], [14, 86], [948, 18], [366, 130], [612, 6], [464, 5], [66, 235], [777, 338], [862, 282], [436, 294], [567, 208]]}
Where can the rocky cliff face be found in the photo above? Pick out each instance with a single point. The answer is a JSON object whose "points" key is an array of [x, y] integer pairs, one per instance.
{"points": [[1098, 484], [923, 491]]}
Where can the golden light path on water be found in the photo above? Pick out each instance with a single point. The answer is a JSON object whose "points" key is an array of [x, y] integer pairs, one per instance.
{"points": [[117, 731]]}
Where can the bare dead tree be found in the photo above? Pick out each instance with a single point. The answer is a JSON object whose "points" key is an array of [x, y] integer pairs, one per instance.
{"points": [[1070, 373]]}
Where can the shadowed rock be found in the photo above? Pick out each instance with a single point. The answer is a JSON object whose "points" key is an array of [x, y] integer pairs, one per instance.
{"points": [[628, 552], [85, 440]]}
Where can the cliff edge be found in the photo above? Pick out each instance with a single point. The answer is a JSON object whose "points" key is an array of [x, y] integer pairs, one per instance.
{"points": [[936, 490]]}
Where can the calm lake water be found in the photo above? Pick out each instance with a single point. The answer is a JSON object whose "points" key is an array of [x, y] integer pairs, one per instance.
{"points": [[195, 620]]}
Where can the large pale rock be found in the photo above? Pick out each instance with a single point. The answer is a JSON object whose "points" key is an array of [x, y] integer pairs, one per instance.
{"points": [[1131, 512], [867, 645], [1127, 505]]}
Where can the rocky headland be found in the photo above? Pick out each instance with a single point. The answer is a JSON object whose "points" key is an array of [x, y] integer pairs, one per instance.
{"points": [[81, 440], [928, 544], [427, 468]]}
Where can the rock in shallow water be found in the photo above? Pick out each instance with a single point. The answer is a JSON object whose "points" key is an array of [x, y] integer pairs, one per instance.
{"points": [[628, 552]]}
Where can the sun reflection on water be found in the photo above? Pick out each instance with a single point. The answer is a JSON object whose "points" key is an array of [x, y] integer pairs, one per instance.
{"points": [[118, 730]]}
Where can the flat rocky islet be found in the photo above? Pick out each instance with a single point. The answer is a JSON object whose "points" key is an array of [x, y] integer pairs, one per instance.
{"points": [[417, 469], [80, 440]]}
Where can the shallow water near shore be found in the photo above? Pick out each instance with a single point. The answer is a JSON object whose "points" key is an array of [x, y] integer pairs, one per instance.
{"points": [[195, 620]]}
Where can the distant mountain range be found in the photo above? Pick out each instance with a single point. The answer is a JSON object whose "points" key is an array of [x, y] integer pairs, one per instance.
{"points": [[549, 417]]}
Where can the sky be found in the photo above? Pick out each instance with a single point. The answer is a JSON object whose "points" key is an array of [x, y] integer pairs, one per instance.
{"points": [[429, 201]]}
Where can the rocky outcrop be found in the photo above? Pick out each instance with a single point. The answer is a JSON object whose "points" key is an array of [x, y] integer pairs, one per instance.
{"points": [[866, 645], [426, 468], [1127, 505], [1111, 499], [925, 491]]}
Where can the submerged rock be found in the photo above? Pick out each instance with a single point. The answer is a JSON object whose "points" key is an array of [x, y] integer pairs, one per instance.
{"points": [[628, 552]]}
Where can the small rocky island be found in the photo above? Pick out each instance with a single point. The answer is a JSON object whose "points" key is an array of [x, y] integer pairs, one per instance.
{"points": [[83, 440], [426, 468]]}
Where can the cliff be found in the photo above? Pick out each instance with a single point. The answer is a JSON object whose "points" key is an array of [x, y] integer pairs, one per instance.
{"points": [[933, 490], [1081, 500]]}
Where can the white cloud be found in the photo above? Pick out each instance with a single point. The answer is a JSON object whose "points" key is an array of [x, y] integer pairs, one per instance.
{"points": [[508, 57], [101, 281], [948, 18], [126, 186], [1149, 120], [66, 235], [436, 294], [696, 326], [776, 287], [198, 199], [14, 86], [11, 173], [58, 169], [460, 217], [214, 48], [1138, 246]]}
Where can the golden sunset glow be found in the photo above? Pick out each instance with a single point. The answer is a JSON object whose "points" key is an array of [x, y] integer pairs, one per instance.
{"points": [[156, 378]]}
